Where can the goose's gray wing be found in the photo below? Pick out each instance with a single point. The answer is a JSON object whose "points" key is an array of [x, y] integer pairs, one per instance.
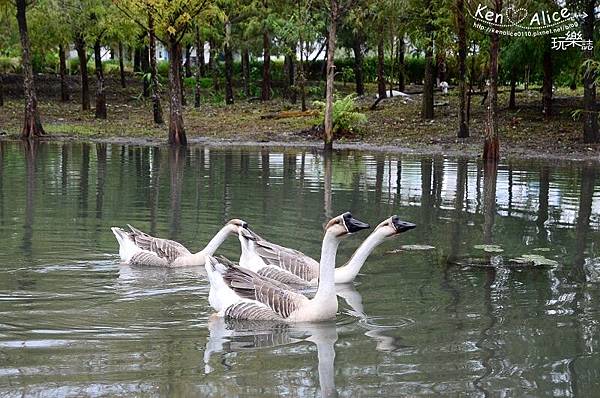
{"points": [[164, 248], [283, 276], [250, 285], [281, 279], [253, 311], [148, 259], [295, 262]]}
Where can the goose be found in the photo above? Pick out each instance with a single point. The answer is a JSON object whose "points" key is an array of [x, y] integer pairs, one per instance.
{"points": [[239, 293], [294, 269], [138, 248]]}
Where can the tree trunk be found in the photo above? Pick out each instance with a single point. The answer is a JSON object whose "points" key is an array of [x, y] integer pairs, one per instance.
{"points": [[200, 56], [32, 126], [290, 74], [547, 84], [137, 57], [176, 129], [188, 61], [302, 77], [1, 92], [590, 108], [512, 104], [246, 71], [427, 106], [228, 66], [359, 77], [145, 65], [100, 93], [491, 146], [213, 66], [380, 66], [156, 106], [199, 66], [64, 84], [266, 77], [181, 75], [463, 127], [122, 65], [83, 72], [328, 123], [401, 71]]}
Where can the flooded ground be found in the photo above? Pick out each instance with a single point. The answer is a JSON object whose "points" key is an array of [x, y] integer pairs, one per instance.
{"points": [[429, 314]]}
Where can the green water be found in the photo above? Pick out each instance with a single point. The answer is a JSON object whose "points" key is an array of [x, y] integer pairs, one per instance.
{"points": [[74, 322]]}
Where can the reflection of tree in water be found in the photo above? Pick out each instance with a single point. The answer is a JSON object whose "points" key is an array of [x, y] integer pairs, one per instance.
{"points": [[327, 176], [30, 148], [488, 353], [2, 157], [177, 156], [490, 174], [265, 174], [379, 169], [101, 156], [455, 235], [227, 189], [153, 198], [84, 180], [64, 167], [426, 198], [588, 180], [542, 216], [438, 181], [510, 189]]}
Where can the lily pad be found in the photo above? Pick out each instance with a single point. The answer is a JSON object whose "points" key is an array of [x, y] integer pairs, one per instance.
{"points": [[538, 260], [489, 248], [417, 247], [541, 249]]}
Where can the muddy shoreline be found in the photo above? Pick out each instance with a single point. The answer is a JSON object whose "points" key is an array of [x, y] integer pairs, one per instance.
{"points": [[468, 148]]}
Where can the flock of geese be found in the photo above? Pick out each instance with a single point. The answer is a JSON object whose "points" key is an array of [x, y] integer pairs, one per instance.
{"points": [[270, 282]]}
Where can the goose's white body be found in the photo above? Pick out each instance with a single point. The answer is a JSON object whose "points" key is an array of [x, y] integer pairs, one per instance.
{"points": [[294, 268], [240, 293], [139, 248]]}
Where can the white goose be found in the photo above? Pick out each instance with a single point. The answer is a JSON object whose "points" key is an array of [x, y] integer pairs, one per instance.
{"points": [[239, 293], [292, 268], [139, 248]]}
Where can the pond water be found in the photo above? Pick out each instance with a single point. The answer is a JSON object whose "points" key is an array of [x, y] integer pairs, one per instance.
{"points": [[75, 322]]}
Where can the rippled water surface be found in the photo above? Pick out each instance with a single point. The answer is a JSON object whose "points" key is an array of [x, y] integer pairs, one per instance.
{"points": [[74, 322]]}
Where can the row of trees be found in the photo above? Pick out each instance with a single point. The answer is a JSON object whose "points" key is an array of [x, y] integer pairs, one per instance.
{"points": [[436, 29]]}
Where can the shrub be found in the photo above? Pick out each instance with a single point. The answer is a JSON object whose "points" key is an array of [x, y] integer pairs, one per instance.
{"points": [[162, 68], [10, 65], [345, 116]]}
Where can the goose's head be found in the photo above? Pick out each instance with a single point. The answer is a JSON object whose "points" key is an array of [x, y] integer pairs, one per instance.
{"points": [[343, 225], [236, 224], [394, 226]]}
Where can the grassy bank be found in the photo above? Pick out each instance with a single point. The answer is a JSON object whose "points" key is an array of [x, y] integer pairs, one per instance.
{"points": [[395, 122]]}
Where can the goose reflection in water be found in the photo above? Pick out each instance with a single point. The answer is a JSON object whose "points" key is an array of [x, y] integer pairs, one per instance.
{"points": [[353, 299], [239, 335]]}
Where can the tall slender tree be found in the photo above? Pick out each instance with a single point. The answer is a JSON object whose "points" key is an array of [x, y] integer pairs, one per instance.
{"points": [[336, 10], [173, 19], [32, 126], [590, 114], [461, 27], [491, 145]]}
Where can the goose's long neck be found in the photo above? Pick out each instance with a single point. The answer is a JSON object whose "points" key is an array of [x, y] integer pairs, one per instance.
{"points": [[326, 288], [217, 241], [348, 272]]}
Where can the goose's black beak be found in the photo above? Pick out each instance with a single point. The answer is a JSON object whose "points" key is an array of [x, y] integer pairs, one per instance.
{"points": [[402, 226], [353, 225], [245, 225]]}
